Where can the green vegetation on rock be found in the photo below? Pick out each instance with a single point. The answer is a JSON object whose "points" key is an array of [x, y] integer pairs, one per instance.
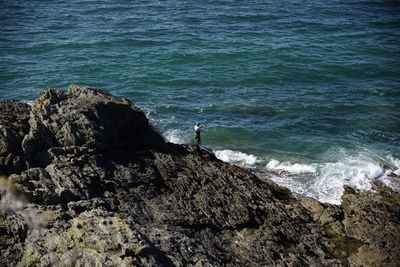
{"points": [[33, 261], [341, 247]]}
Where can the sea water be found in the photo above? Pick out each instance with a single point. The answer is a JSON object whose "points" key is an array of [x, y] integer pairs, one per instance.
{"points": [[305, 91]]}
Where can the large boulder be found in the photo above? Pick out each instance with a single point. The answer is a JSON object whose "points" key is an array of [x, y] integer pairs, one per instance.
{"points": [[86, 117], [100, 186]]}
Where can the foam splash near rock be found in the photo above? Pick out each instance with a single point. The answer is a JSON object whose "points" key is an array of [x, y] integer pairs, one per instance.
{"points": [[236, 157], [176, 136], [325, 181], [113, 192]]}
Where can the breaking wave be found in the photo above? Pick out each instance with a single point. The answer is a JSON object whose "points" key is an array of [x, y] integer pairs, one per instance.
{"points": [[293, 168], [176, 136], [236, 157], [321, 179], [325, 181]]}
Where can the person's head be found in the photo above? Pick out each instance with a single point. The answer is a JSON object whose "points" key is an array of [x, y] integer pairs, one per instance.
{"points": [[198, 124]]}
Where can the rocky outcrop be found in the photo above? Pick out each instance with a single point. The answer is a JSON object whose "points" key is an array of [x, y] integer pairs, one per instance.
{"points": [[100, 187], [373, 219], [14, 126], [85, 118], [364, 230]]}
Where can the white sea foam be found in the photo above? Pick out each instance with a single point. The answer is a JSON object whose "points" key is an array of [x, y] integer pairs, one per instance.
{"points": [[394, 163], [394, 167], [30, 102], [275, 165], [357, 172], [176, 136], [236, 157], [325, 181]]}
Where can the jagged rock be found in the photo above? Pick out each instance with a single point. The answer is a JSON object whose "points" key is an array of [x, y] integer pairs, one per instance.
{"points": [[86, 117], [102, 187], [373, 218], [393, 175], [94, 237], [14, 126], [13, 232]]}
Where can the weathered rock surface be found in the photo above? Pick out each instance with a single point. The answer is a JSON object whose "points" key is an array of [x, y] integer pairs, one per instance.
{"points": [[14, 126], [99, 187]]}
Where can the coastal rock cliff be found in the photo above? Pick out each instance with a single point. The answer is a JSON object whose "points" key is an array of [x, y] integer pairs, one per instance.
{"points": [[88, 182]]}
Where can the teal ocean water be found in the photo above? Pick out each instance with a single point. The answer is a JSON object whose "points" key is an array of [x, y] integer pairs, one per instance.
{"points": [[306, 92]]}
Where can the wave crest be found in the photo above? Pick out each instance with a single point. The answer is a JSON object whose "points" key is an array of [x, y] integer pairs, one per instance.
{"points": [[236, 157], [275, 165], [325, 181]]}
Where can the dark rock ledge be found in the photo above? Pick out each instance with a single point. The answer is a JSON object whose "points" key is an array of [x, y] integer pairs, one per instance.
{"points": [[88, 182]]}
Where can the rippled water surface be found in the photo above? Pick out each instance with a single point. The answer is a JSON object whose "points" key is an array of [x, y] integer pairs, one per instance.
{"points": [[306, 90]]}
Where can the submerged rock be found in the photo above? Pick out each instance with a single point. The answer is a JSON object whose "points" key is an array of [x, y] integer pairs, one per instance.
{"points": [[100, 186]]}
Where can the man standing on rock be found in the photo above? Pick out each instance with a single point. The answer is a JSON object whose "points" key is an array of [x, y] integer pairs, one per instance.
{"points": [[197, 129]]}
